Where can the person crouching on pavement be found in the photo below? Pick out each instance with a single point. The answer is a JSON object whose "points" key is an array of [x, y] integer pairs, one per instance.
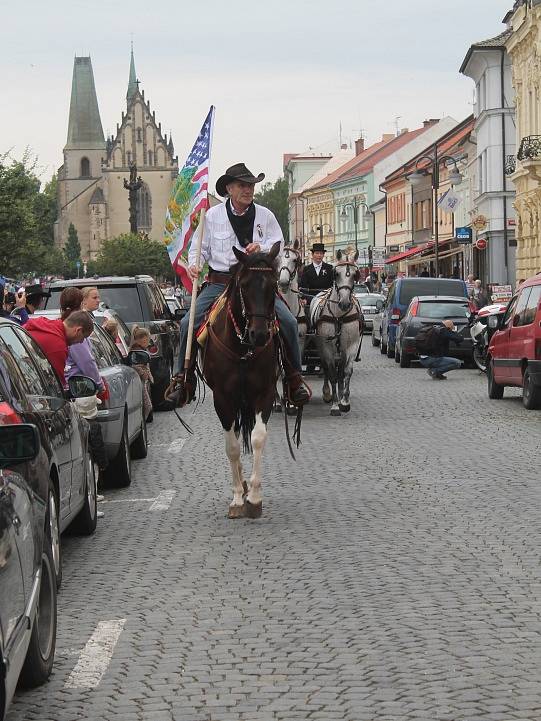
{"points": [[140, 340], [438, 361]]}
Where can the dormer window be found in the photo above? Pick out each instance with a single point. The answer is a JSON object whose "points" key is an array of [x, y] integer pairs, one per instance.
{"points": [[85, 168]]}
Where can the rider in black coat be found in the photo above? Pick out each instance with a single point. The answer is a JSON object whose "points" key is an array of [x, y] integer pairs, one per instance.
{"points": [[318, 275]]}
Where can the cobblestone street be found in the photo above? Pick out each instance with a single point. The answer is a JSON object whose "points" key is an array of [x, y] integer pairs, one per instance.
{"points": [[394, 575]]}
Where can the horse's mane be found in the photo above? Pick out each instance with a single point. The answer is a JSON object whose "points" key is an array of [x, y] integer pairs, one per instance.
{"points": [[256, 260]]}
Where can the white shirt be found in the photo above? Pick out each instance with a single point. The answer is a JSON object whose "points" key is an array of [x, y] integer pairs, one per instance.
{"points": [[219, 238], [317, 267]]}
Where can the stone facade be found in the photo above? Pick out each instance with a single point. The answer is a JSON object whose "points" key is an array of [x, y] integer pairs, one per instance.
{"points": [[524, 48], [91, 192]]}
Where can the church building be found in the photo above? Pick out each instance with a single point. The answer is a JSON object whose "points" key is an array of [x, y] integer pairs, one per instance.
{"points": [[91, 192]]}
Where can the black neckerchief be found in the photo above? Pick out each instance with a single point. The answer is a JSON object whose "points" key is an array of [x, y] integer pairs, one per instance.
{"points": [[243, 225]]}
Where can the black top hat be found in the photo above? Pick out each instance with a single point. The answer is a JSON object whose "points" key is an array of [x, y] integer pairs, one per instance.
{"points": [[36, 290], [317, 247], [236, 172]]}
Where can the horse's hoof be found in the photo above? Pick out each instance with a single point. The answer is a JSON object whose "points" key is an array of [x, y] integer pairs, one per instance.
{"points": [[335, 412], [345, 408], [236, 512], [253, 510]]}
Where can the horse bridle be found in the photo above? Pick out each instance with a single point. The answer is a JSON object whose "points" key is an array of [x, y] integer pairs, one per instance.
{"points": [[348, 273], [271, 319], [297, 263]]}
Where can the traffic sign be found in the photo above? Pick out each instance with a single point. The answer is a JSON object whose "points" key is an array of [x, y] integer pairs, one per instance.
{"points": [[481, 244], [77, 263], [464, 235]]}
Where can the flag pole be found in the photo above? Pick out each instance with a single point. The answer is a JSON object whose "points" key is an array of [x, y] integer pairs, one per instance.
{"points": [[195, 285]]}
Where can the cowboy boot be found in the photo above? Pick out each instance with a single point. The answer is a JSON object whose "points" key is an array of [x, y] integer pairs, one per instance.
{"points": [[297, 390], [181, 390]]}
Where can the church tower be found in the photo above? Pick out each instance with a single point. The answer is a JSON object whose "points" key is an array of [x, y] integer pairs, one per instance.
{"points": [[139, 140]]}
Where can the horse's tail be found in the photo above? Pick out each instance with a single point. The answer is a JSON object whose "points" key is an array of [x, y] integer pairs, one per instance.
{"points": [[245, 422]]}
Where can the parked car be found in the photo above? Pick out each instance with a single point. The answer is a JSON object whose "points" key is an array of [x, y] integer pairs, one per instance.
{"points": [[399, 297], [360, 289], [514, 353], [427, 310], [120, 412], [28, 608], [30, 392], [370, 308], [138, 300]]}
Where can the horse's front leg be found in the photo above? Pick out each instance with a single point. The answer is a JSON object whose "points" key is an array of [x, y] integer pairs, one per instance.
{"points": [[344, 397], [329, 368], [232, 448], [254, 502]]}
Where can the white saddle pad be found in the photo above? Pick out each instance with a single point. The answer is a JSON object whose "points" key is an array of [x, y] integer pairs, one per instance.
{"points": [[316, 307]]}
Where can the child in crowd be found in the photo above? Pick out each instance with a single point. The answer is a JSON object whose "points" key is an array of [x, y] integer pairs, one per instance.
{"points": [[140, 340]]}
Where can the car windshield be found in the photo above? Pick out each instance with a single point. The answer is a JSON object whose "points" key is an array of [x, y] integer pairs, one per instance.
{"points": [[370, 300], [429, 286], [443, 310], [122, 298], [360, 289]]}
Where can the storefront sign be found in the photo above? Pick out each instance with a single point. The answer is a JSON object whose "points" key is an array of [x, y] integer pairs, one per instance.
{"points": [[464, 235], [394, 249], [481, 244], [480, 222], [501, 293]]}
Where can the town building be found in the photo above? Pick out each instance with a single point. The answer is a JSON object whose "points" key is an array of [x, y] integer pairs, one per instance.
{"points": [[492, 214], [91, 193], [524, 48]]}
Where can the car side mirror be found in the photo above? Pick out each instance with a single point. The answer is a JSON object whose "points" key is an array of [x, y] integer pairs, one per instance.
{"points": [[82, 387], [379, 305], [138, 357], [179, 314], [494, 322], [18, 443]]}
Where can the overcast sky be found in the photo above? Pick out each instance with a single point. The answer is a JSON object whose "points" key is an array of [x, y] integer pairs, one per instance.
{"points": [[282, 74]]}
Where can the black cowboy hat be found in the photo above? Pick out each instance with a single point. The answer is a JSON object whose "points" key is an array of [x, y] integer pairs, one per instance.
{"points": [[317, 248], [236, 172], [36, 290]]}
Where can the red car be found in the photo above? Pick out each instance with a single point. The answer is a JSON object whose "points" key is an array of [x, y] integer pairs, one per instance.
{"points": [[514, 354]]}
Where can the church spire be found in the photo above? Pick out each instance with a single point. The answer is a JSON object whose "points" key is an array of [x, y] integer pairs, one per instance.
{"points": [[84, 128], [133, 83]]}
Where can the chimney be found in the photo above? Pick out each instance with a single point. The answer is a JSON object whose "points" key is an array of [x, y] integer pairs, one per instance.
{"points": [[386, 137], [429, 123], [404, 131], [359, 146], [344, 146]]}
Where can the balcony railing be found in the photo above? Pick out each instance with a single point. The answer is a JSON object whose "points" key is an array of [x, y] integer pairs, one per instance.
{"points": [[510, 164], [530, 148]]}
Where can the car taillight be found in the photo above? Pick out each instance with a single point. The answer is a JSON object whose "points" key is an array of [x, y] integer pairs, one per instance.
{"points": [[154, 345], [8, 415], [104, 395], [415, 308], [395, 315]]}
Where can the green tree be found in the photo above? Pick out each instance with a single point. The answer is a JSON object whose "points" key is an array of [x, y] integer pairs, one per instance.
{"points": [[130, 254], [274, 196], [72, 249], [45, 212]]}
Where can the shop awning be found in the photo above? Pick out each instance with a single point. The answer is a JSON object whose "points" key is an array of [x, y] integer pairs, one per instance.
{"points": [[406, 254]]}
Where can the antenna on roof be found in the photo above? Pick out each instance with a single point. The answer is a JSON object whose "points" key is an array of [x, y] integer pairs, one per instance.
{"points": [[340, 136], [397, 124]]}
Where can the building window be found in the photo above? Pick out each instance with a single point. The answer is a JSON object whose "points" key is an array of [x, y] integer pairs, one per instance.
{"points": [[150, 157], [85, 168], [128, 157], [139, 136], [144, 208]]}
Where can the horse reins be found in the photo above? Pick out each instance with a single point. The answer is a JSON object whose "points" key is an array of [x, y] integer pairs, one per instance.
{"points": [[242, 335]]}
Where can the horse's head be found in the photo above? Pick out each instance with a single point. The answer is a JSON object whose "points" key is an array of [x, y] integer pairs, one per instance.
{"points": [[255, 281], [346, 274], [290, 262]]}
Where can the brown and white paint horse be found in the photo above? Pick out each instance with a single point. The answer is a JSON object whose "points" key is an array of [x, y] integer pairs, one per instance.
{"points": [[336, 317], [240, 366]]}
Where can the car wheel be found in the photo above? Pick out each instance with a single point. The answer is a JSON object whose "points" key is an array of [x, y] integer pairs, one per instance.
{"points": [[118, 472], [84, 524], [139, 448], [390, 350], [375, 341], [405, 360], [495, 390], [382, 347], [52, 528], [531, 394], [38, 663], [396, 353]]}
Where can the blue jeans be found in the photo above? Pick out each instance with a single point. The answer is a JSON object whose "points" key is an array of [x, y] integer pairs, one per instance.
{"points": [[441, 364], [210, 293]]}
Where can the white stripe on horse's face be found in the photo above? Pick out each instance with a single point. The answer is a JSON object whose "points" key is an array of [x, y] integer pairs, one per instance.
{"points": [[344, 279], [288, 266]]}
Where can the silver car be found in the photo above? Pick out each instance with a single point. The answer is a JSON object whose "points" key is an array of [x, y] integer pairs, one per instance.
{"points": [[120, 412], [369, 307]]}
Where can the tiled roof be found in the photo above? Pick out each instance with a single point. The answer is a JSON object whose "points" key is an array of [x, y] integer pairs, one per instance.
{"points": [[497, 42], [352, 164], [84, 127]]}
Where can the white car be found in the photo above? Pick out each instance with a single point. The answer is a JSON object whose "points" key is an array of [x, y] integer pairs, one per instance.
{"points": [[370, 307]]}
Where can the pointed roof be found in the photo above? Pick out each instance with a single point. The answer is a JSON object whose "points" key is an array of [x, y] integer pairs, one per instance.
{"points": [[97, 197], [84, 127], [133, 83]]}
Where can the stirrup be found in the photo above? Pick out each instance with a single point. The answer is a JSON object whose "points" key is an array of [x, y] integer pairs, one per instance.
{"points": [[303, 393], [180, 392]]}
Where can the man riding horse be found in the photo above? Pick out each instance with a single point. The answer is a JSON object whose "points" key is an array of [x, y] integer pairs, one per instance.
{"points": [[238, 223]]}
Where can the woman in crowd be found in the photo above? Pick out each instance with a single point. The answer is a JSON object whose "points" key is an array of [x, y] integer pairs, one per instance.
{"points": [[91, 299], [140, 340]]}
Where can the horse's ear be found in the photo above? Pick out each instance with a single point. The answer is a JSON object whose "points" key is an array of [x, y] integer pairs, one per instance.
{"points": [[239, 255], [274, 251], [338, 255], [356, 255], [296, 244]]}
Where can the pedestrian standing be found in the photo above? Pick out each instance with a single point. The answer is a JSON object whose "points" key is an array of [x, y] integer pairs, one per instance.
{"points": [[91, 298], [478, 295], [435, 342]]}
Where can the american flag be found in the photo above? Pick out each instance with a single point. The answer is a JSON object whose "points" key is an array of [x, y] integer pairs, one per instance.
{"points": [[188, 198]]}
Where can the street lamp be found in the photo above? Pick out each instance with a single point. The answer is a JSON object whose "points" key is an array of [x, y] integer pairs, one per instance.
{"points": [[355, 207], [433, 168], [320, 229]]}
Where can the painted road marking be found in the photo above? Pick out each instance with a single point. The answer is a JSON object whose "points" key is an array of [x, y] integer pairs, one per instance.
{"points": [[163, 500], [129, 500], [173, 447], [95, 657]]}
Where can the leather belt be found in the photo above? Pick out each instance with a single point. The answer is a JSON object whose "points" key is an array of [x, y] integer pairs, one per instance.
{"points": [[220, 278]]}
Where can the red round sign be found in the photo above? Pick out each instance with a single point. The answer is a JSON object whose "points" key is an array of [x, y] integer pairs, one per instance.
{"points": [[481, 244]]}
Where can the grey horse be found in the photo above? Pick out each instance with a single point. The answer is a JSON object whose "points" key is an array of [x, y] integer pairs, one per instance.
{"points": [[336, 318], [289, 264]]}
